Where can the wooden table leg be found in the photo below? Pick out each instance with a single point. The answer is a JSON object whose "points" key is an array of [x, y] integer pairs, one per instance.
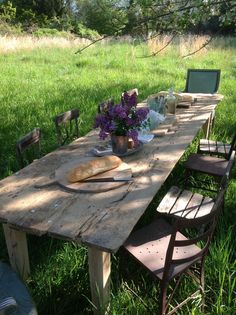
{"points": [[17, 250], [206, 128], [99, 273]]}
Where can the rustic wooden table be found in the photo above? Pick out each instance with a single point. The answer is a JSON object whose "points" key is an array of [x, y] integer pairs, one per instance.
{"points": [[102, 221]]}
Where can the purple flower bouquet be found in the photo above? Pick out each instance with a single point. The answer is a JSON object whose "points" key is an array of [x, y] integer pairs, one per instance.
{"points": [[123, 119]]}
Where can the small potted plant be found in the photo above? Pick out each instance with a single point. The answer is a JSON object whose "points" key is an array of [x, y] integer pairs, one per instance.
{"points": [[121, 121]]}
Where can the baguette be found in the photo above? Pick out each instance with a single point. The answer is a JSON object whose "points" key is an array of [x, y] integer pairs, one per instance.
{"points": [[93, 167]]}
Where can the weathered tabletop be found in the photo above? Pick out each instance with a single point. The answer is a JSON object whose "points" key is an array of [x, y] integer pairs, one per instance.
{"points": [[103, 220]]}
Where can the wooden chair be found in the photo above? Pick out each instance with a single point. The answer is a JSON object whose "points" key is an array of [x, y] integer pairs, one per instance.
{"points": [[166, 252], [202, 81], [67, 126], [31, 140], [14, 296], [214, 147], [102, 106], [210, 165]]}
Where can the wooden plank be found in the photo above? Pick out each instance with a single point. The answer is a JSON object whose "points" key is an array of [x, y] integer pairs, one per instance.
{"points": [[18, 251], [181, 203], [192, 209], [184, 104], [213, 146], [99, 274], [206, 128], [169, 200], [205, 207], [159, 132]]}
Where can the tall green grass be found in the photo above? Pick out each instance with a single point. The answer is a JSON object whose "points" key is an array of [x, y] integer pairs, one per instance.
{"points": [[36, 85]]}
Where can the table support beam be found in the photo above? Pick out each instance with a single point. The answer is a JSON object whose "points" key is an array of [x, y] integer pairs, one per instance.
{"points": [[99, 273], [17, 250], [206, 128]]}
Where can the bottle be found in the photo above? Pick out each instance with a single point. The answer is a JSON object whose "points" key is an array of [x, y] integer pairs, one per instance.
{"points": [[171, 102]]}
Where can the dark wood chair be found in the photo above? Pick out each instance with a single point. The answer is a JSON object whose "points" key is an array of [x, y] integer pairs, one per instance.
{"points": [[167, 252], [104, 105], [202, 81], [213, 147], [130, 97], [67, 126], [31, 140], [214, 166], [14, 296]]}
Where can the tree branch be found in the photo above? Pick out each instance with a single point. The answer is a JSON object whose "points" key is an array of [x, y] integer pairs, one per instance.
{"points": [[158, 51], [204, 45], [181, 9], [92, 43]]}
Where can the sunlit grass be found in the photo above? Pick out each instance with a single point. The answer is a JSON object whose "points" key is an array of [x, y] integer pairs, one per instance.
{"points": [[39, 83]]}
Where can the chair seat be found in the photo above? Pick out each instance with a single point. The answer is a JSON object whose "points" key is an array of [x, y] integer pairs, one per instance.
{"points": [[214, 147], [185, 204], [11, 286], [149, 246], [207, 164]]}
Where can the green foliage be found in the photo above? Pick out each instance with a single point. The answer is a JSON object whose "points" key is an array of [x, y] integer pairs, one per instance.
{"points": [[85, 32], [8, 29], [104, 16], [7, 12], [50, 32], [116, 17]]}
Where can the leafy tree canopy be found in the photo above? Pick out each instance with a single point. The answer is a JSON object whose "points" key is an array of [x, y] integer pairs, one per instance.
{"points": [[135, 17]]}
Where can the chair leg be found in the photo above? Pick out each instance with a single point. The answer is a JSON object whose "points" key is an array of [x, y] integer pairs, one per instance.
{"points": [[187, 175], [202, 283], [163, 299]]}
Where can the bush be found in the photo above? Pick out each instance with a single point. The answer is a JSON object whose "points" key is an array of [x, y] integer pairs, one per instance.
{"points": [[85, 32], [50, 32], [7, 29]]}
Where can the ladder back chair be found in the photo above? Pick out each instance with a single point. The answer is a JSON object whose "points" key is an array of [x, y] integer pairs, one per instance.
{"points": [[130, 97], [29, 141], [182, 203], [167, 253], [210, 165], [214, 147], [67, 126], [104, 105], [14, 296], [202, 81]]}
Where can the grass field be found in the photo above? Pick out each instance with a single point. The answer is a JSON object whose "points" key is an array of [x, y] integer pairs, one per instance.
{"points": [[36, 85]]}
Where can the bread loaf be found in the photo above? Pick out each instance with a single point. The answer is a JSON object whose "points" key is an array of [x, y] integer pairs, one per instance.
{"points": [[93, 167]]}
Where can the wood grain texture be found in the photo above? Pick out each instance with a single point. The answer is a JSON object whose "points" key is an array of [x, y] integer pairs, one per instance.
{"points": [[103, 220], [18, 250]]}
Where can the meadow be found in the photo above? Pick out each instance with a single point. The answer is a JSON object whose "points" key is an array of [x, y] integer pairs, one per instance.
{"points": [[39, 81]]}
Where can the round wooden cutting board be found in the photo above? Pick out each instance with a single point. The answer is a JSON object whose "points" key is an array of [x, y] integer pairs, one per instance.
{"points": [[61, 174]]}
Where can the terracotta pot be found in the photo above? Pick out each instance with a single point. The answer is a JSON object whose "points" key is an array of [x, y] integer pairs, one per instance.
{"points": [[119, 144]]}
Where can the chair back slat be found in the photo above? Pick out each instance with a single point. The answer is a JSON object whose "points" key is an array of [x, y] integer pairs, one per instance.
{"points": [[25, 143], [202, 80], [202, 236], [204, 225], [64, 125]]}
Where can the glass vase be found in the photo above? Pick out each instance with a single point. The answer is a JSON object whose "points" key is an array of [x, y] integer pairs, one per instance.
{"points": [[119, 144]]}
